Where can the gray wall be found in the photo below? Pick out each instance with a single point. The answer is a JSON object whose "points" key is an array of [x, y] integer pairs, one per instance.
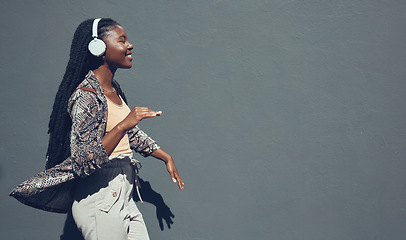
{"points": [[286, 118]]}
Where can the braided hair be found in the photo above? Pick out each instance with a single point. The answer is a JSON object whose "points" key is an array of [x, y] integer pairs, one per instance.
{"points": [[80, 62]]}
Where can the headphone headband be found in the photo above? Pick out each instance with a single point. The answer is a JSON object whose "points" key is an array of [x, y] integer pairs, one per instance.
{"points": [[95, 24]]}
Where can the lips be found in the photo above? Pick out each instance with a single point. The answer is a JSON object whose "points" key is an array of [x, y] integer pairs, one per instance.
{"points": [[129, 55]]}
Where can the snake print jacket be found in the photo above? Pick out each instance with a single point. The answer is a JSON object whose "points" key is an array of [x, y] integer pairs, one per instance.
{"points": [[50, 190]]}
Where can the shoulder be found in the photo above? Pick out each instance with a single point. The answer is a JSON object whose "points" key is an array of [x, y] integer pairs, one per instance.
{"points": [[84, 89], [84, 97]]}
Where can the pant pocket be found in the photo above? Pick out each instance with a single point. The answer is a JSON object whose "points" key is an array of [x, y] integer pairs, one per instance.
{"points": [[111, 195]]}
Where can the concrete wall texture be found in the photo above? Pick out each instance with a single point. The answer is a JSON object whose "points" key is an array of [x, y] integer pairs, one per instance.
{"points": [[286, 117]]}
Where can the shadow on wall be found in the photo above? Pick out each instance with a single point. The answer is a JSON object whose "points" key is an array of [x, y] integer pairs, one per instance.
{"points": [[163, 212]]}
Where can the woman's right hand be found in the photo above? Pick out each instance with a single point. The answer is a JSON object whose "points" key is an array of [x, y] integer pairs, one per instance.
{"points": [[136, 115], [111, 139]]}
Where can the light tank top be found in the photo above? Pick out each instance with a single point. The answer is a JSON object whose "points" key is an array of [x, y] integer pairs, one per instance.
{"points": [[116, 113]]}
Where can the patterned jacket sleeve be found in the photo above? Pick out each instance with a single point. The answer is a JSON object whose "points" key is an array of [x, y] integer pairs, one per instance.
{"points": [[140, 142], [87, 150]]}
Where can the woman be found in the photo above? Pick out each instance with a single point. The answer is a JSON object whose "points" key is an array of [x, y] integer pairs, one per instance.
{"points": [[90, 168]]}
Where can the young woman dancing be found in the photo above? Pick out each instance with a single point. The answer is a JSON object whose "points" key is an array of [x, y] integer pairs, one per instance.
{"points": [[90, 167]]}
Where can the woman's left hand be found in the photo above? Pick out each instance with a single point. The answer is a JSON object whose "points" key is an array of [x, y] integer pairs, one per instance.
{"points": [[170, 166]]}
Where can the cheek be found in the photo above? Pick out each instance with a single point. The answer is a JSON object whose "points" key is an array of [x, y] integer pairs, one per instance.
{"points": [[115, 51], [113, 57]]}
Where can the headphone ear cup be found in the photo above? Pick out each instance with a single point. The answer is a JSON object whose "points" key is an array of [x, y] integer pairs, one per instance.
{"points": [[97, 47]]}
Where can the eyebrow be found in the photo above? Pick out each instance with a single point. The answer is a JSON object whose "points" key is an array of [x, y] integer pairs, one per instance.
{"points": [[123, 36]]}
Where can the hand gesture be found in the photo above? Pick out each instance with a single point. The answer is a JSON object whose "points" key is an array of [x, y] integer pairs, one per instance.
{"points": [[136, 115]]}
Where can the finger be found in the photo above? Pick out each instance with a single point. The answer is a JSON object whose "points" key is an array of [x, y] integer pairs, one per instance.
{"points": [[147, 111], [179, 181], [144, 109], [141, 108], [143, 115], [173, 177], [153, 113]]}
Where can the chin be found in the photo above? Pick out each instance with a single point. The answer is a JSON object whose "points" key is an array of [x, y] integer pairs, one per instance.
{"points": [[126, 66], [129, 65]]}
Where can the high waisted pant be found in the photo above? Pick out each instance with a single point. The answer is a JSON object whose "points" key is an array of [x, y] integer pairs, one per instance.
{"points": [[104, 207]]}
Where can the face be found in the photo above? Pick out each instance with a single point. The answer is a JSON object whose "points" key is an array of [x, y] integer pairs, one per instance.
{"points": [[118, 49]]}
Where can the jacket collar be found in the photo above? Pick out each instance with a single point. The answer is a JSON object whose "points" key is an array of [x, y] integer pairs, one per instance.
{"points": [[95, 84]]}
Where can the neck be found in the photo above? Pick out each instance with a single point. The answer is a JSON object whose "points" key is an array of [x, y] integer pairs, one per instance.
{"points": [[105, 76]]}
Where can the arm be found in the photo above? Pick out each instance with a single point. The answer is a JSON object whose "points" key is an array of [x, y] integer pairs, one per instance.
{"points": [[139, 141], [144, 145], [170, 166], [111, 140]]}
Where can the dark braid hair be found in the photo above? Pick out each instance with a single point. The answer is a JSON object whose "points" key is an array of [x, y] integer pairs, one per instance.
{"points": [[80, 62]]}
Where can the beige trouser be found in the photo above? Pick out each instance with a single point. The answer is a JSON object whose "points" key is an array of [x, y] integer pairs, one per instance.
{"points": [[104, 207]]}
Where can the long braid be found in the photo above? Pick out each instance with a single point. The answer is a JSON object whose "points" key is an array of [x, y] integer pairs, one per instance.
{"points": [[79, 64]]}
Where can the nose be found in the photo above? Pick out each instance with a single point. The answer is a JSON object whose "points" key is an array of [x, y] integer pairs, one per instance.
{"points": [[130, 46]]}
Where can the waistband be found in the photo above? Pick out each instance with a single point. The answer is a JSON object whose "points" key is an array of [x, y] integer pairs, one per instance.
{"points": [[124, 164]]}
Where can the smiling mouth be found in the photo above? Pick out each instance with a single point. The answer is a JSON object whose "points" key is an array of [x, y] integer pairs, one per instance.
{"points": [[129, 56]]}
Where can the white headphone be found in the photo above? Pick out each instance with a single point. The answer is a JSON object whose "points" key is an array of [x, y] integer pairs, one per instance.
{"points": [[96, 47]]}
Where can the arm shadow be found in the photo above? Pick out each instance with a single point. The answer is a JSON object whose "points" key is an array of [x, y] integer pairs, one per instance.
{"points": [[163, 212]]}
